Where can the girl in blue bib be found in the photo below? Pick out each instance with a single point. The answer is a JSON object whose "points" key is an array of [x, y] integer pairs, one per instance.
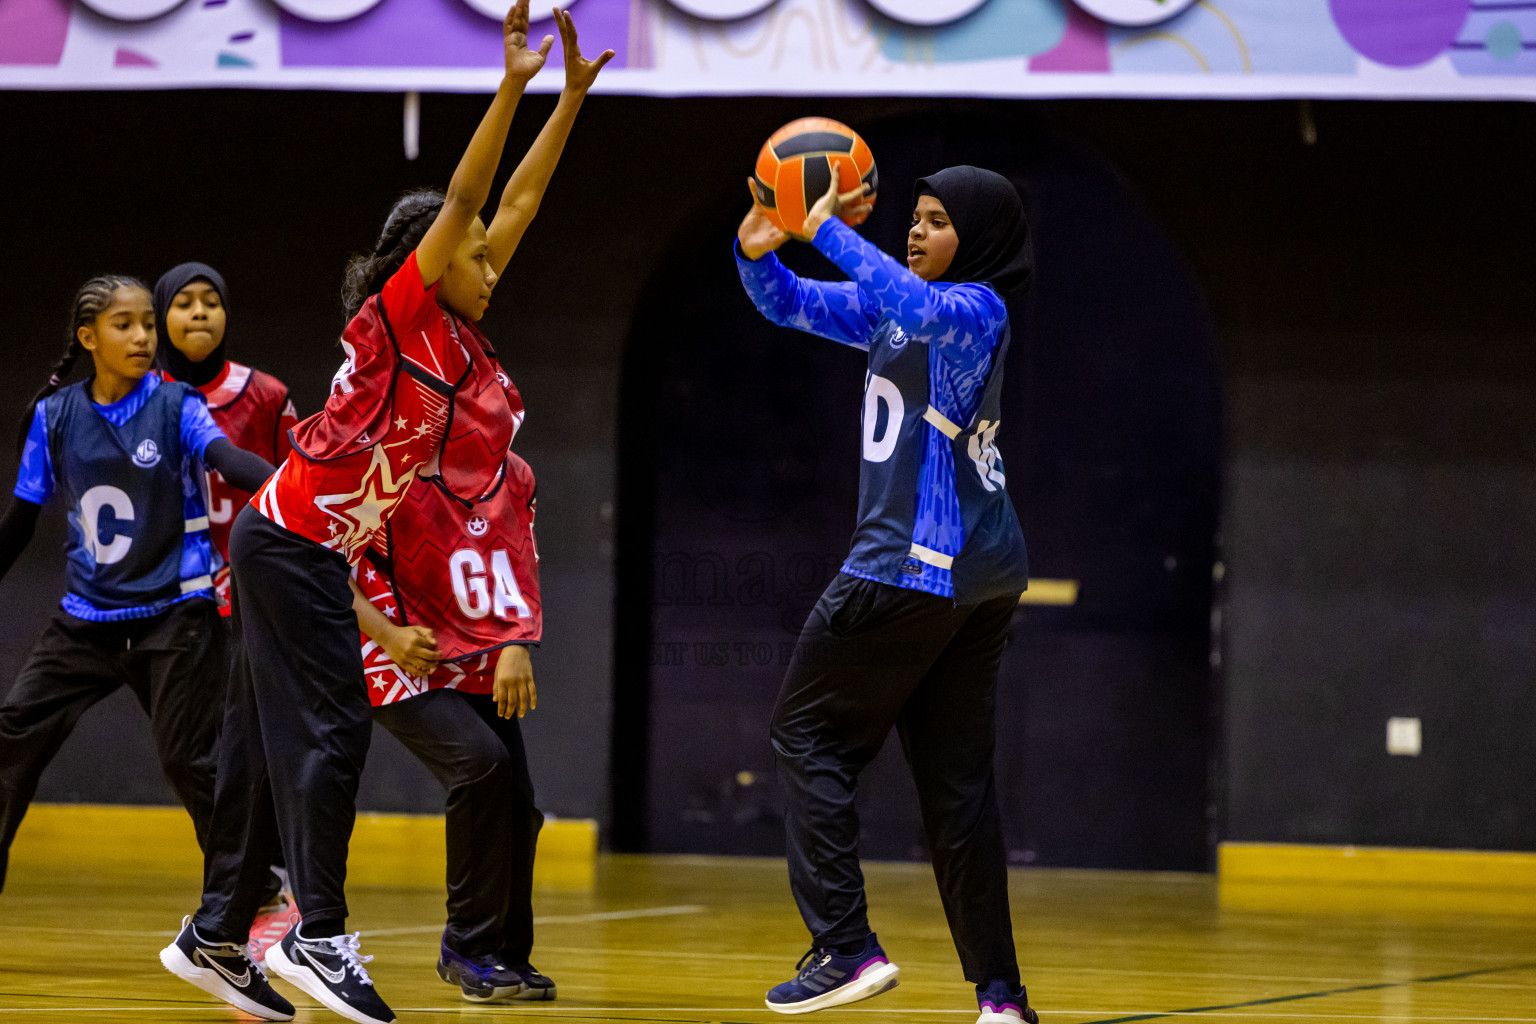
{"points": [[124, 453]]}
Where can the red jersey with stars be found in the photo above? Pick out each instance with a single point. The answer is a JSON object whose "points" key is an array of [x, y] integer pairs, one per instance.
{"points": [[418, 390], [255, 413], [470, 574]]}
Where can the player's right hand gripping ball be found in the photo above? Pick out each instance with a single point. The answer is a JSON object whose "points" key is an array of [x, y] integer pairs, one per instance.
{"points": [[796, 165]]}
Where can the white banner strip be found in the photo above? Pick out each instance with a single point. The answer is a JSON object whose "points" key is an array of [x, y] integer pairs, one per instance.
{"points": [[1227, 49]]}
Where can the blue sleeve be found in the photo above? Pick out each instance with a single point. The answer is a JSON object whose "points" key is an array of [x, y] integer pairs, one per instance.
{"points": [[962, 323], [34, 480], [838, 311], [198, 430]]}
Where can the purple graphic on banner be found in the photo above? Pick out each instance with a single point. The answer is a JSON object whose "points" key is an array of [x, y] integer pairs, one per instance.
{"points": [[126, 58], [1400, 33], [1498, 39], [1085, 47], [33, 31], [441, 34]]}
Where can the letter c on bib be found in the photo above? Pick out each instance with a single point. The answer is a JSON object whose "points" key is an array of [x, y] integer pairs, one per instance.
{"points": [[878, 391], [91, 504]]}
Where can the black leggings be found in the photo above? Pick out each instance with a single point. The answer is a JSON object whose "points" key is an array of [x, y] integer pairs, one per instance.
{"points": [[872, 656], [493, 824], [296, 729], [175, 663]]}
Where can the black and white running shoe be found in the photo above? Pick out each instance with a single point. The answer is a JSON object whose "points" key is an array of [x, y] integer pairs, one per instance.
{"points": [[226, 971], [331, 970], [535, 985]]}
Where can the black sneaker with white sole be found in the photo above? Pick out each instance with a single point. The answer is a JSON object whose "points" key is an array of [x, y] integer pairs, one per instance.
{"points": [[331, 970], [535, 985], [224, 970]]}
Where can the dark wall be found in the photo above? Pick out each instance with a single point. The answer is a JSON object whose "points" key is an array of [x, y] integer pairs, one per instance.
{"points": [[1370, 294]]}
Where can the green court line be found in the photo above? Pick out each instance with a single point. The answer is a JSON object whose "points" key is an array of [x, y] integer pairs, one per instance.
{"points": [[1317, 995]]}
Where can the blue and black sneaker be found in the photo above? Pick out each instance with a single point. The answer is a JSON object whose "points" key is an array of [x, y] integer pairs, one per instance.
{"points": [[481, 979], [828, 978], [224, 970], [1003, 1003], [535, 985], [331, 970]]}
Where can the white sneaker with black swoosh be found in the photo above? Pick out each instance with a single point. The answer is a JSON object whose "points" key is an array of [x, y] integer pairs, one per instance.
{"points": [[331, 970], [224, 970]]}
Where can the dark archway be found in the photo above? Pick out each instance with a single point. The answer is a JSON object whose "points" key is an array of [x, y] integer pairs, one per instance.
{"points": [[737, 489]]}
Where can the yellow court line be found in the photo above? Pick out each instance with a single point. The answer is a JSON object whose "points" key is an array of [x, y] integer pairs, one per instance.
{"points": [[1375, 865], [1050, 592], [386, 849]]}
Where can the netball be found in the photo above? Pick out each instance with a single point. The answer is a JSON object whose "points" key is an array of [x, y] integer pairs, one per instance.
{"points": [[795, 166]]}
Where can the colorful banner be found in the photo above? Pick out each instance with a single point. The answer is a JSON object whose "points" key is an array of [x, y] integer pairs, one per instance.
{"points": [[1217, 48]]}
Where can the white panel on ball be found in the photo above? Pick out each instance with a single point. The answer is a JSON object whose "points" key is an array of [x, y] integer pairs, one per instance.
{"points": [[926, 12], [1135, 12], [326, 10], [133, 10], [721, 10], [538, 10]]}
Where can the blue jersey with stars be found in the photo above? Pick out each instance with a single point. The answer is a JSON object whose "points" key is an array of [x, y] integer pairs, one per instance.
{"points": [[913, 515], [131, 475]]}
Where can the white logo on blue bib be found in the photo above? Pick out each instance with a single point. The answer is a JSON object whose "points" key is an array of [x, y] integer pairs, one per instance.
{"points": [[146, 454]]}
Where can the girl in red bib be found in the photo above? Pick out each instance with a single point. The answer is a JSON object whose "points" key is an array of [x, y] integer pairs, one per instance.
{"points": [[449, 605], [252, 408], [416, 394]]}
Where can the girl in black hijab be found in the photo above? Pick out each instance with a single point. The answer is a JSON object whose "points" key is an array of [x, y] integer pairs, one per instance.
{"points": [[191, 303], [911, 632]]}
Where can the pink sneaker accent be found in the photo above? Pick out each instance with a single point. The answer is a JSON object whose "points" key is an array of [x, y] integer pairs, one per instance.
{"points": [[269, 928], [866, 965]]}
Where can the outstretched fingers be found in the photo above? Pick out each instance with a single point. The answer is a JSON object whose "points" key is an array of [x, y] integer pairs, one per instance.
{"points": [[584, 71], [567, 33], [516, 22]]}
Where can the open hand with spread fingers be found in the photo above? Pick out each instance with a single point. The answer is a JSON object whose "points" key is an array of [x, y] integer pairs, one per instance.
{"points": [[522, 62], [580, 73]]}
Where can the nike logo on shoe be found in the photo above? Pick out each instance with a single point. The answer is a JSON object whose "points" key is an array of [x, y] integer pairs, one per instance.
{"points": [[334, 977], [240, 980]]}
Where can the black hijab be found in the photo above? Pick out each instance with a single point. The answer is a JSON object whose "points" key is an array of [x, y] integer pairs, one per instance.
{"points": [[170, 358], [989, 221]]}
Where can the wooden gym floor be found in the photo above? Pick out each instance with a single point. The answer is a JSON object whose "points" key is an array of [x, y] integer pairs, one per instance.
{"points": [[685, 939]]}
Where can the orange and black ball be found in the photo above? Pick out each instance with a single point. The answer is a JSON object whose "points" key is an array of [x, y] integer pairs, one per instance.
{"points": [[796, 164]]}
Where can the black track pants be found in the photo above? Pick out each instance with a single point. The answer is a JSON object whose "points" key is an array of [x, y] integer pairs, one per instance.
{"points": [[175, 663], [493, 824], [296, 729], [872, 656]]}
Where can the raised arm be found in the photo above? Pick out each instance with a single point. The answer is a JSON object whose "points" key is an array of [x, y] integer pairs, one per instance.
{"points": [[957, 320], [470, 185], [525, 190], [834, 310]]}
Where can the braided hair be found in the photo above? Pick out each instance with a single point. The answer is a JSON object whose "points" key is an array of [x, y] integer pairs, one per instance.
{"points": [[91, 301], [404, 228]]}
